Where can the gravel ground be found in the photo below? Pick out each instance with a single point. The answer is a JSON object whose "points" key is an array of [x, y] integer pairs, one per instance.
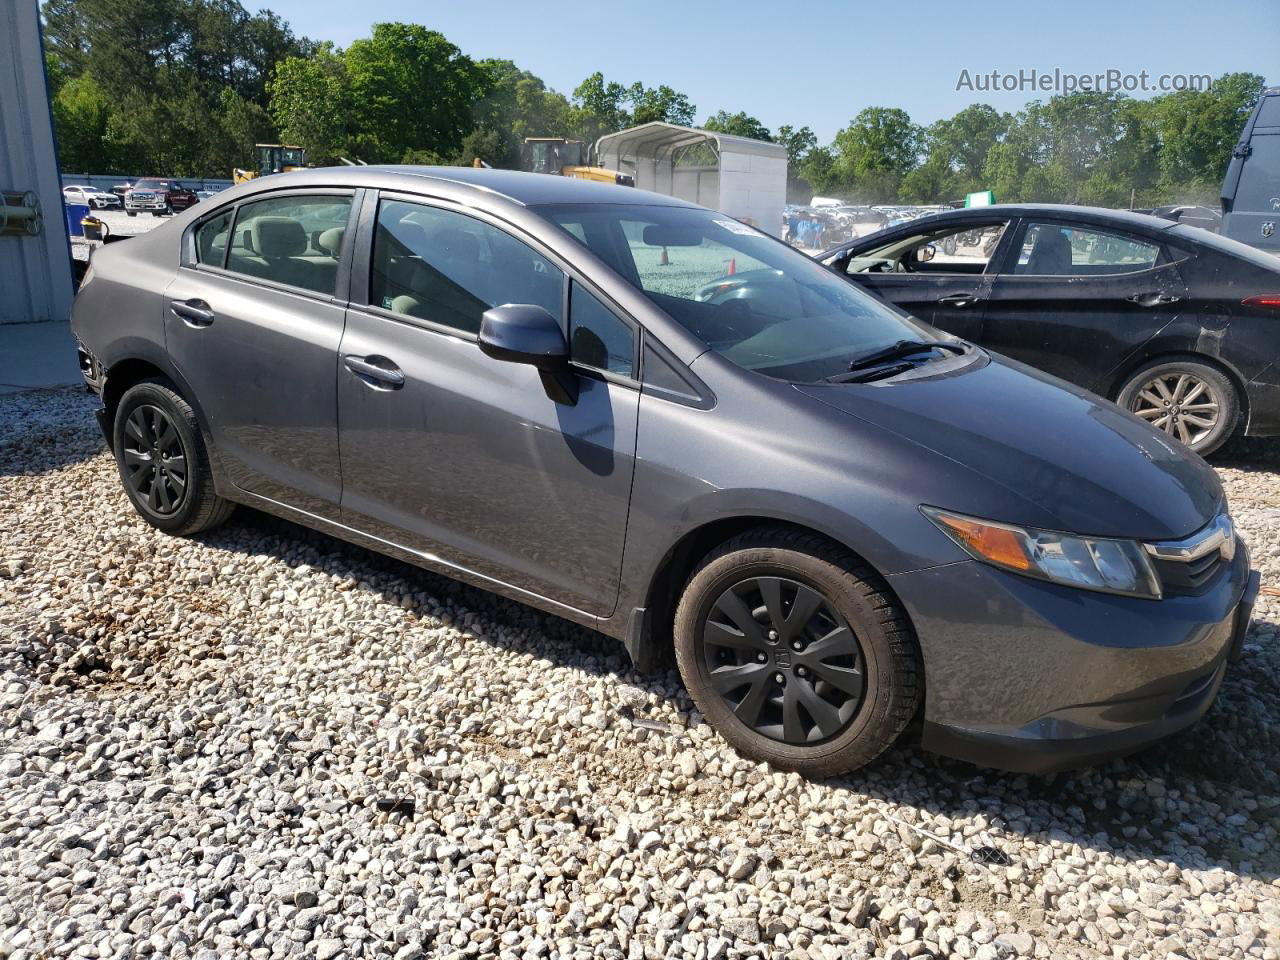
{"points": [[261, 742]]}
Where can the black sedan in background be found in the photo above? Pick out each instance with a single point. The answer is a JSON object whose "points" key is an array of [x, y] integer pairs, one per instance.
{"points": [[1176, 324]]}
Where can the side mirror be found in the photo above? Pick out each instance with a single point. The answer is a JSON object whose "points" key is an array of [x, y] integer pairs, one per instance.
{"points": [[926, 253], [526, 333]]}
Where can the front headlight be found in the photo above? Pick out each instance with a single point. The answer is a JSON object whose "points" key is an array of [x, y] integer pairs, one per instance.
{"points": [[1091, 563]]}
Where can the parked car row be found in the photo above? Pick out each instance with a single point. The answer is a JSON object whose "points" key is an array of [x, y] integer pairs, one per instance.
{"points": [[91, 197], [840, 515], [158, 196]]}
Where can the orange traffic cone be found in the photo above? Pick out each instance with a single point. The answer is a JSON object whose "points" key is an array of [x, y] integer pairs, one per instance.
{"points": [[662, 260], [733, 266]]}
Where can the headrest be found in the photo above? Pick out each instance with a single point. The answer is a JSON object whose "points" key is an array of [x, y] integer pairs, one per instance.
{"points": [[277, 237], [412, 234], [458, 244], [331, 241]]}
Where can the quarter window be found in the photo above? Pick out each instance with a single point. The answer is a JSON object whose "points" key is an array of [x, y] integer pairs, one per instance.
{"points": [[449, 268], [211, 239], [293, 240], [1056, 251], [597, 337]]}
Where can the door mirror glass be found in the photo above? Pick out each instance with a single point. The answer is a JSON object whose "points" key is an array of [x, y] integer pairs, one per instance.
{"points": [[926, 253]]}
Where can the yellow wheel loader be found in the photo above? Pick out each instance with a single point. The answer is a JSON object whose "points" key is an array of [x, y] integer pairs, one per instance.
{"points": [[566, 158], [272, 158]]}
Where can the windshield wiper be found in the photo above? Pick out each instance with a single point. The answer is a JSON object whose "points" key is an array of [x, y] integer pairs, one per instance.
{"points": [[891, 360], [899, 350]]}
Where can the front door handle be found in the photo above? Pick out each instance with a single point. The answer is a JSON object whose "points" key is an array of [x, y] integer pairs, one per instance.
{"points": [[1153, 299], [959, 300], [194, 313], [374, 371]]}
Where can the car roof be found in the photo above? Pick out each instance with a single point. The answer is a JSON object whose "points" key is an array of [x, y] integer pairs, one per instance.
{"points": [[1056, 211], [527, 189]]}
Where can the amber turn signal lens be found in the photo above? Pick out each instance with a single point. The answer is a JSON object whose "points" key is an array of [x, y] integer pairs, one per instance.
{"points": [[995, 544]]}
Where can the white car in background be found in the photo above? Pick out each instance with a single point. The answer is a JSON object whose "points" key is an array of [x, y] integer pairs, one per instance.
{"points": [[92, 197]]}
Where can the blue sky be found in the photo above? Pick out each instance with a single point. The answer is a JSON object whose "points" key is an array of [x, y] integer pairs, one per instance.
{"points": [[819, 63]]}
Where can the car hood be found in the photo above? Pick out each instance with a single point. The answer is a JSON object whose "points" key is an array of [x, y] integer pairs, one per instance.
{"points": [[1076, 462]]}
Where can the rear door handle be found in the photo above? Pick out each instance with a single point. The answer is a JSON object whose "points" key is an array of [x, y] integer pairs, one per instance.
{"points": [[959, 300], [194, 313], [1152, 299], [377, 372]]}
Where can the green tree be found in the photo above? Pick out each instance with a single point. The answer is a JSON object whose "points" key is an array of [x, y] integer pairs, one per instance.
{"points": [[738, 124], [82, 113], [600, 107], [604, 106], [818, 170], [798, 141], [312, 103], [956, 154], [660, 103], [414, 89], [1198, 129], [517, 105], [875, 152]]}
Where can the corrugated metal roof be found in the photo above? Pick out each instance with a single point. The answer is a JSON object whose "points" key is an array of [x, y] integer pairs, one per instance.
{"points": [[649, 137]]}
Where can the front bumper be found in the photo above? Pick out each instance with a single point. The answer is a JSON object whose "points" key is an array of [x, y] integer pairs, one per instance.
{"points": [[146, 205], [1035, 677]]}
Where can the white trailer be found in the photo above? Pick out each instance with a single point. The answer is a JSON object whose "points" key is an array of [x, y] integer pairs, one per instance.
{"points": [[744, 178]]}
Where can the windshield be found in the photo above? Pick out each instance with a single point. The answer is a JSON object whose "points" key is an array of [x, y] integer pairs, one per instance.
{"points": [[748, 296], [152, 184]]}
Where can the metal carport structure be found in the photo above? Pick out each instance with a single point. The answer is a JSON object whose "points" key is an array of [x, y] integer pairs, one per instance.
{"points": [[745, 178]]}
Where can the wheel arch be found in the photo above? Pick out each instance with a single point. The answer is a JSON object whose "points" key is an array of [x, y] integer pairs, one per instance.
{"points": [[648, 629], [1173, 354], [133, 369]]}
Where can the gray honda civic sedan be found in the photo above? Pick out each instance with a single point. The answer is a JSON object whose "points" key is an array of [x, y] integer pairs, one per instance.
{"points": [[838, 518]]}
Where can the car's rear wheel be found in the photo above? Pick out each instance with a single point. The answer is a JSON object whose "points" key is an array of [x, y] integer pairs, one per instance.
{"points": [[162, 460], [796, 652], [1192, 401]]}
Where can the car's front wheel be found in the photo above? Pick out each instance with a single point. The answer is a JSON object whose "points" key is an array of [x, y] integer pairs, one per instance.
{"points": [[162, 460], [797, 653], [1190, 400], [132, 213]]}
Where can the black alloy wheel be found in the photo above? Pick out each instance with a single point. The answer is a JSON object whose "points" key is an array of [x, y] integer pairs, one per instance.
{"points": [[155, 460], [163, 463], [784, 660]]}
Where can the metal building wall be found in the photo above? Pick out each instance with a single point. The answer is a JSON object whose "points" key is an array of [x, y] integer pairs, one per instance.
{"points": [[35, 272]]}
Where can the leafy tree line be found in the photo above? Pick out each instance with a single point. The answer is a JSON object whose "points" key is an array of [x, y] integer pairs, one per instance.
{"points": [[186, 87], [1086, 147]]}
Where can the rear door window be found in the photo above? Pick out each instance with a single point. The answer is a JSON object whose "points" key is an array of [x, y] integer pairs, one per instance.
{"points": [[1054, 250], [294, 240], [211, 239], [449, 268]]}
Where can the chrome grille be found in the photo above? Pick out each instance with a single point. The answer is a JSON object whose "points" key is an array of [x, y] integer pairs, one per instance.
{"points": [[1191, 565]]}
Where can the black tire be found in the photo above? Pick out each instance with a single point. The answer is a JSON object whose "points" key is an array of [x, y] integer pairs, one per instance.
{"points": [[132, 213], [892, 678], [146, 459], [1150, 393]]}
